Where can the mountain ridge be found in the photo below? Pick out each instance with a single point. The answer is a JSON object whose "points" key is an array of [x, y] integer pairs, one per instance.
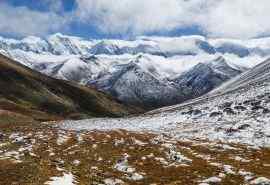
{"points": [[168, 62], [30, 93]]}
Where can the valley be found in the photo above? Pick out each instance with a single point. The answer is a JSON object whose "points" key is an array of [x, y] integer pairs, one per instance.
{"points": [[56, 132]]}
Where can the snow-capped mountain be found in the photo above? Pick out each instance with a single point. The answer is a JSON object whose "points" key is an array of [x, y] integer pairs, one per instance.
{"points": [[150, 71], [204, 77], [237, 112], [135, 85], [139, 80], [59, 44]]}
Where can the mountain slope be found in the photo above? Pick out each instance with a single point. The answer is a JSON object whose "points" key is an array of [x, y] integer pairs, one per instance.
{"points": [[234, 121], [239, 114], [32, 94], [238, 111], [139, 82], [133, 85], [258, 74], [204, 77], [143, 80]]}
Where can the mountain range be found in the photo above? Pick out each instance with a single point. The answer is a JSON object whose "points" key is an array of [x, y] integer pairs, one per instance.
{"points": [[149, 72]]}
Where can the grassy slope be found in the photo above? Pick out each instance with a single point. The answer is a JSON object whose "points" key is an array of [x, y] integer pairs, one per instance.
{"points": [[33, 154], [36, 96]]}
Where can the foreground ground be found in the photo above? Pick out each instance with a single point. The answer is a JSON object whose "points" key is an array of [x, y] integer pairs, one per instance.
{"points": [[45, 154]]}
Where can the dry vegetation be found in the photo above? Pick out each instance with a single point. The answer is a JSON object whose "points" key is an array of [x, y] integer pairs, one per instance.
{"points": [[34, 153]]}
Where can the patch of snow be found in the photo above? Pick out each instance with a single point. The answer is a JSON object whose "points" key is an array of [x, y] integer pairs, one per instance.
{"points": [[111, 181], [62, 138], [138, 142], [76, 162], [16, 137], [118, 142], [162, 161], [237, 158], [247, 175], [229, 169], [135, 177], [13, 156], [178, 157], [260, 181], [66, 179], [212, 180], [123, 166]]}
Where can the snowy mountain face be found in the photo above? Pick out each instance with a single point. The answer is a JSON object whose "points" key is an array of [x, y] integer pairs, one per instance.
{"points": [[204, 77], [237, 112], [150, 71], [133, 85]]}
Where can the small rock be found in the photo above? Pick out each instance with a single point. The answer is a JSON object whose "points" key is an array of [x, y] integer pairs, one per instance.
{"points": [[215, 114], [240, 108], [229, 111]]}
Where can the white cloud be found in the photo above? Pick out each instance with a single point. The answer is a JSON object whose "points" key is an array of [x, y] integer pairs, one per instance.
{"points": [[137, 16], [237, 18], [21, 21], [221, 18], [217, 18]]}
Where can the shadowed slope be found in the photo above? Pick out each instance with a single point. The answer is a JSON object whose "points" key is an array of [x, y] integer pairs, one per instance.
{"points": [[29, 93]]}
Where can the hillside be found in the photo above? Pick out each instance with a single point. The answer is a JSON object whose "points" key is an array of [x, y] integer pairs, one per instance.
{"points": [[220, 138], [29, 95], [237, 112]]}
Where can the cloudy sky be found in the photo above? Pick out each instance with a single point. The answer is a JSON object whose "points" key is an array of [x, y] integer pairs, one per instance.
{"points": [[130, 18]]}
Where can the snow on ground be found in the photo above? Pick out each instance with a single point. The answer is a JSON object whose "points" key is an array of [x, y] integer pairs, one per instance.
{"points": [[62, 138], [111, 181], [66, 179], [212, 180], [260, 181], [138, 158], [238, 117], [123, 166]]}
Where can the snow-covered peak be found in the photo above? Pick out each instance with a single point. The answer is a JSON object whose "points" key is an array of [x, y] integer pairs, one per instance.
{"points": [[59, 36], [64, 45], [32, 39], [59, 44]]}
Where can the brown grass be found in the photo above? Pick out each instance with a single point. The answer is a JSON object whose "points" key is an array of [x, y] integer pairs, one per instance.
{"points": [[39, 168]]}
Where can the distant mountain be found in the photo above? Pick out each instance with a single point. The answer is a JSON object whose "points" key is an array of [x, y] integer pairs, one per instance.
{"points": [[204, 77], [33, 95], [144, 87], [150, 71], [134, 85], [59, 44]]}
